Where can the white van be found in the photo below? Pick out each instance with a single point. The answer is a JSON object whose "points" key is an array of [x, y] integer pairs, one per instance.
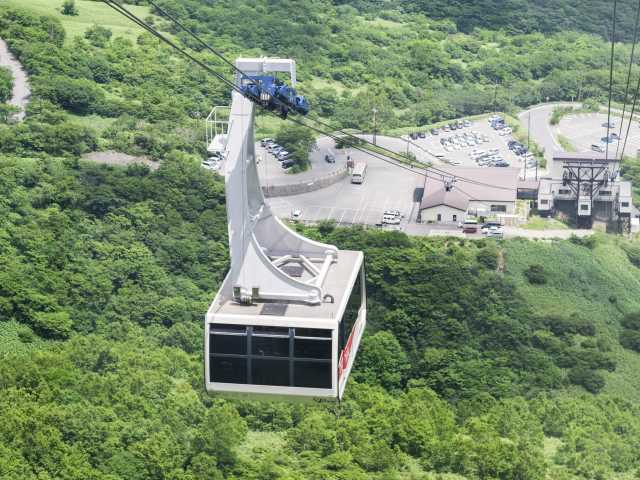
{"points": [[359, 172]]}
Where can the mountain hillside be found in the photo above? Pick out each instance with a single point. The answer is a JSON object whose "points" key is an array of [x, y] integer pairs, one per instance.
{"points": [[482, 359]]}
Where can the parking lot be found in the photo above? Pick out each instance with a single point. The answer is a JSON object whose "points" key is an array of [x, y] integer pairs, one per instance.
{"points": [[462, 156], [385, 187], [584, 130]]}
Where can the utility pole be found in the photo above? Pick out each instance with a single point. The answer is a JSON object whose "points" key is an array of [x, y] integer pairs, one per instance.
{"points": [[495, 97], [375, 125], [529, 132]]}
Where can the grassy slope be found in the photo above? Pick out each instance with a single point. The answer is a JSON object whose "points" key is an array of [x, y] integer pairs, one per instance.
{"points": [[582, 280], [90, 13]]}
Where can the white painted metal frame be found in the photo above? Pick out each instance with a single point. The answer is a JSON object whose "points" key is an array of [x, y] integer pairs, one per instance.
{"points": [[259, 66], [260, 244]]}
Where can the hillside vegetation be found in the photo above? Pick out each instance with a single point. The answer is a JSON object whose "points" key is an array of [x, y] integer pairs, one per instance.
{"points": [[481, 360], [415, 70], [106, 274]]}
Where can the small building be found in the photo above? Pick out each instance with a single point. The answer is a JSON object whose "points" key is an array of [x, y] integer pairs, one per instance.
{"points": [[480, 192]]}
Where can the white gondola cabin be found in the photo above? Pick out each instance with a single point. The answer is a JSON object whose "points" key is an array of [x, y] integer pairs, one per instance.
{"points": [[290, 314]]}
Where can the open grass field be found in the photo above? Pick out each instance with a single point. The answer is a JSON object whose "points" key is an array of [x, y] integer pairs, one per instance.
{"points": [[89, 13], [597, 284]]}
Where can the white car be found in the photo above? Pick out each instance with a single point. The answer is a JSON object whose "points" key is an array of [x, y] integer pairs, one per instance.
{"points": [[296, 214], [392, 213], [390, 220], [495, 232]]}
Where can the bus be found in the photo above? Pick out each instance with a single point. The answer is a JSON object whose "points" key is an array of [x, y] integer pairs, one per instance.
{"points": [[359, 171]]}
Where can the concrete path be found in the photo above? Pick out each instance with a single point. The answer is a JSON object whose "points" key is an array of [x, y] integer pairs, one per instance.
{"points": [[21, 90]]}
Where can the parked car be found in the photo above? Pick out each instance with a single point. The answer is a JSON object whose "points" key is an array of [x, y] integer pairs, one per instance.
{"points": [[287, 163], [467, 123], [422, 135], [266, 141], [495, 232], [446, 128], [395, 213], [470, 226], [435, 131], [413, 136], [296, 214], [330, 158], [597, 148], [390, 220], [609, 125], [608, 139]]}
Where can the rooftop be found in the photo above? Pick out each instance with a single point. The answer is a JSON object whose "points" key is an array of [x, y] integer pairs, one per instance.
{"points": [[479, 184], [338, 283], [585, 157]]}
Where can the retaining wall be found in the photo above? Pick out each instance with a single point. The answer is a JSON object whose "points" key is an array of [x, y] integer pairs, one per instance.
{"points": [[304, 187]]}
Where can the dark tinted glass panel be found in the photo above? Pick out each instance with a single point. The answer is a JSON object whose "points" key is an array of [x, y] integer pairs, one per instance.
{"points": [[270, 346], [232, 344], [220, 327], [312, 348], [351, 314], [270, 372], [228, 370], [271, 330], [313, 332], [312, 374]]}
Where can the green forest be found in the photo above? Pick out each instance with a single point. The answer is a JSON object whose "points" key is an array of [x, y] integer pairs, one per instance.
{"points": [[484, 359]]}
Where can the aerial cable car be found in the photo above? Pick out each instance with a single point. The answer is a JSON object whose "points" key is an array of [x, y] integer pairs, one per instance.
{"points": [[288, 318]]}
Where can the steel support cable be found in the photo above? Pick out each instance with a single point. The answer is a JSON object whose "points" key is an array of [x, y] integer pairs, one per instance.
{"points": [[198, 39], [613, 47], [232, 85], [626, 90], [633, 109], [389, 159], [204, 44]]}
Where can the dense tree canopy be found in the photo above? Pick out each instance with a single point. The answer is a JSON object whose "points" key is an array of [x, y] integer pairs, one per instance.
{"points": [[481, 360]]}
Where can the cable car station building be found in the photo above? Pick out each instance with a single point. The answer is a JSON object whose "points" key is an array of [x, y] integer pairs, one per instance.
{"points": [[587, 186], [288, 318]]}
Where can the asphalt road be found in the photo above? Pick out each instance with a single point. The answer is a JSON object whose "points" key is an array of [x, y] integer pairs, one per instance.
{"points": [[541, 131], [21, 90]]}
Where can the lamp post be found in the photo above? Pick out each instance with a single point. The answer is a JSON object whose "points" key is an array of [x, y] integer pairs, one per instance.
{"points": [[375, 125]]}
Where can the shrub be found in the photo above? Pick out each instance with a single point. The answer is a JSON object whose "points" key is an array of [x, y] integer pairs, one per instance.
{"points": [[56, 325], [26, 335], [488, 257], [76, 95], [630, 339], [570, 325], [536, 274], [591, 380], [326, 226], [98, 35], [589, 242], [69, 8], [631, 321], [633, 253], [6, 84]]}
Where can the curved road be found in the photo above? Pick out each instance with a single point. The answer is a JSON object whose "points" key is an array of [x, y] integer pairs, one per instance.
{"points": [[541, 131], [21, 90]]}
